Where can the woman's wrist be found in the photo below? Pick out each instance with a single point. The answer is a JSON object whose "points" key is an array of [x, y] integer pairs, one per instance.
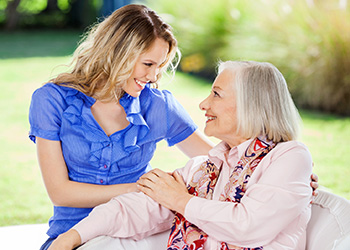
{"points": [[70, 239], [133, 187], [181, 203]]}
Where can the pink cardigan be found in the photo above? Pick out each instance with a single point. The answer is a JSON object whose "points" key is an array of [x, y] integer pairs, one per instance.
{"points": [[273, 212]]}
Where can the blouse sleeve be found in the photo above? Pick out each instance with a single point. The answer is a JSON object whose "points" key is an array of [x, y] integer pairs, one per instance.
{"points": [[280, 195], [45, 113], [132, 215], [179, 123]]}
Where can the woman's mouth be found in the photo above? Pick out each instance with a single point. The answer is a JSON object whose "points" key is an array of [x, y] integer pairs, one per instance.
{"points": [[210, 118], [141, 84]]}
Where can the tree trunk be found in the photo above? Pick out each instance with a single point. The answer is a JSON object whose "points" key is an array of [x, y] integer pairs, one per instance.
{"points": [[12, 16], [82, 13], [51, 6]]}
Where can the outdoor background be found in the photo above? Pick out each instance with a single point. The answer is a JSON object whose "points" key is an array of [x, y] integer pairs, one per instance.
{"points": [[309, 41]]}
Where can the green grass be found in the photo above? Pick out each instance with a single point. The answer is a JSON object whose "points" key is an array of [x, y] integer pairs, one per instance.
{"points": [[23, 198], [328, 137], [35, 43]]}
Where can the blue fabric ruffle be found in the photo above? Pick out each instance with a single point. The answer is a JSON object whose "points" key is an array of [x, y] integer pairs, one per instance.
{"points": [[137, 129]]}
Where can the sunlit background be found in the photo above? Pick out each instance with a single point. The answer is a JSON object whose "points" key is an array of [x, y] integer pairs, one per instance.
{"points": [[309, 41]]}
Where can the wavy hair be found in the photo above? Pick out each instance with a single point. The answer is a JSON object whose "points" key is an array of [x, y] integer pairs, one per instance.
{"points": [[264, 104], [106, 56]]}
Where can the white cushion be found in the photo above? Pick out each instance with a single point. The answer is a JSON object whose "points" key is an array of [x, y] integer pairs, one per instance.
{"points": [[29, 237], [329, 226]]}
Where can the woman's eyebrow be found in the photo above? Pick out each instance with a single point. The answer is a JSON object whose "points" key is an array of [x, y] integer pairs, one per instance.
{"points": [[150, 60], [153, 62], [217, 87]]}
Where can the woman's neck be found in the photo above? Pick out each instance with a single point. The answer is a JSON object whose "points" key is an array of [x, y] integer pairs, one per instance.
{"points": [[235, 141]]}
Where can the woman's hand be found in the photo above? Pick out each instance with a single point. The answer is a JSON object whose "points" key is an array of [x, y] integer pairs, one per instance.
{"points": [[169, 190], [314, 184], [66, 241]]}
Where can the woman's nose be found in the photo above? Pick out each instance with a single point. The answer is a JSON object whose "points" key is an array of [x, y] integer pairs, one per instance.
{"points": [[152, 74], [204, 104]]}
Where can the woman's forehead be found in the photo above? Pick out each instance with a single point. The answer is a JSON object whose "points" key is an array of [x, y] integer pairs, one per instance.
{"points": [[224, 80]]}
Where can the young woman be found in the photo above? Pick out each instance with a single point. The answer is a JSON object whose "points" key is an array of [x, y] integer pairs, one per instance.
{"points": [[96, 127]]}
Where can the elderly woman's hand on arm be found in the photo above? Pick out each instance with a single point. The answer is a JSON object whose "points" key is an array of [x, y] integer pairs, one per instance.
{"points": [[169, 190]]}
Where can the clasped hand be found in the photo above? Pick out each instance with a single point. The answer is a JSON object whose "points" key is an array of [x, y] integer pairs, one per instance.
{"points": [[168, 189]]}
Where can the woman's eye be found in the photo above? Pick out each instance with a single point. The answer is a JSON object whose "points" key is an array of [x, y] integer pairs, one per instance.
{"points": [[216, 94], [148, 64]]}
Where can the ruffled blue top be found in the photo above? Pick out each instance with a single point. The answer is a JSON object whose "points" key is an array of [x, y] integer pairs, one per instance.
{"points": [[63, 114]]}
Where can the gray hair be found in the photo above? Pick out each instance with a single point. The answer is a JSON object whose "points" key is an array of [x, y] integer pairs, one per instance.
{"points": [[264, 104]]}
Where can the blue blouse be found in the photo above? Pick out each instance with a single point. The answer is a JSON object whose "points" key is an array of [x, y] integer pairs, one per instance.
{"points": [[63, 114]]}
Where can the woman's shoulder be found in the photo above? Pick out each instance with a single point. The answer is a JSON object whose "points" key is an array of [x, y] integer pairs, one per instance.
{"points": [[54, 95], [291, 149], [292, 145], [51, 90]]}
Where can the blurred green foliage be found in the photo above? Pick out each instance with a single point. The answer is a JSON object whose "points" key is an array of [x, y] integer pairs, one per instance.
{"points": [[308, 41], [32, 7], [60, 14]]}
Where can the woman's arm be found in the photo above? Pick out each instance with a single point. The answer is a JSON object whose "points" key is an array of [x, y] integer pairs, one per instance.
{"points": [[64, 192], [133, 215], [66, 241], [195, 145]]}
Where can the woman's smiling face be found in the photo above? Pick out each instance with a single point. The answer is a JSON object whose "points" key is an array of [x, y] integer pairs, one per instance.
{"points": [[147, 67], [220, 107]]}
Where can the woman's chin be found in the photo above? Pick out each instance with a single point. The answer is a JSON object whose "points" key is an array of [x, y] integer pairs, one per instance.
{"points": [[208, 133]]}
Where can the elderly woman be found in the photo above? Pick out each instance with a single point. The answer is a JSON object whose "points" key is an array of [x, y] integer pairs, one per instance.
{"points": [[251, 192]]}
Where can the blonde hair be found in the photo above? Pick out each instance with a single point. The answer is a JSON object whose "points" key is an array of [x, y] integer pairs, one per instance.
{"points": [[264, 104], [105, 58]]}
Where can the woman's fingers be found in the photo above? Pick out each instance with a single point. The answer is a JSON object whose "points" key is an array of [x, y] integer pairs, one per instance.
{"points": [[151, 179], [178, 177]]}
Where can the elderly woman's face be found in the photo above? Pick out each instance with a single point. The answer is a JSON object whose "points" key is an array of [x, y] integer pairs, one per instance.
{"points": [[220, 107]]}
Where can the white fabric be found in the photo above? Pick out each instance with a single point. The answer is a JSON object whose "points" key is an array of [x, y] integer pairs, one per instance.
{"points": [[329, 227], [154, 242], [29, 237]]}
